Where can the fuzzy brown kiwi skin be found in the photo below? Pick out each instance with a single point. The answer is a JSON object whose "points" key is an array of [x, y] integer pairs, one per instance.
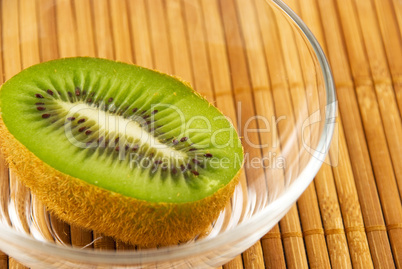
{"points": [[146, 224]]}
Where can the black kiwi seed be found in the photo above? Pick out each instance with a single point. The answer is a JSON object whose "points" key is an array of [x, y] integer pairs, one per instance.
{"points": [[45, 116], [39, 104], [81, 120], [89, 143], [82, 129], [77, 91], [195, 173], [90, 100], [70, 94], [88, 132], [135, 110], [71, 118], [155, 111], [38, 95], [192, 149], [40, 108], [175, 142], [110, 100], [183, 139], [208, 155], [136, 147], [50, 92]]}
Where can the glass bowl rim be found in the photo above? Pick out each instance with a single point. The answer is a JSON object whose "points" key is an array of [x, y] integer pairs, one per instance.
{"points": [[285, 201]]}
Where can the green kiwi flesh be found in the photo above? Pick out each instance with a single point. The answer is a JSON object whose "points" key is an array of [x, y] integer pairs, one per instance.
{"points": [[122, 143]]}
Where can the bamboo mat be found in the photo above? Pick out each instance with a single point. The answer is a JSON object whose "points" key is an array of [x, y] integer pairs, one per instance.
{"points": [[351, 216]]}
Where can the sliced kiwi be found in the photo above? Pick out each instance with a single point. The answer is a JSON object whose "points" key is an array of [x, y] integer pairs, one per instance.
{"points": [[120, 149]]}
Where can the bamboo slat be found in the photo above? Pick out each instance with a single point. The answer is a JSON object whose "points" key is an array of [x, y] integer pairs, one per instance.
{"points": [[252, 258], [348, 107], [161, 47], [14, 264], [272, 244], [102, 242], [397, 7], [345, 187], [66, 29], [308, 203], [47, 31], [273, 249], [392, 41], [332, 219], [28, 33], [3, 260], [140, 35], [119, 26], [178, 40], [348, 198], [290, 225], [82, 12], [236, 263], [11, 44], [122, 246], [102, 29], [370, 204], [382, 80], [375, 127]]}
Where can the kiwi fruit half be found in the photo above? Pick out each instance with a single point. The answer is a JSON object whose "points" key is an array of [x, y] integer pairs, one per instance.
{"points": [[123, 150]]}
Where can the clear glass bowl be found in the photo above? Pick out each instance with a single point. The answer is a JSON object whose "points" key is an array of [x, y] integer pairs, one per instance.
{"points": [[254, 59]]}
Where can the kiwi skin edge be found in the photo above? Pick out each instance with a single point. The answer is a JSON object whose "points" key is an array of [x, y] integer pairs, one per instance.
{"points": [[142, 223]]}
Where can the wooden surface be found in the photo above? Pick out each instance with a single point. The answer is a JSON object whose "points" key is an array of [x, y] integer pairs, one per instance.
{"points": [[351, 216]]}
